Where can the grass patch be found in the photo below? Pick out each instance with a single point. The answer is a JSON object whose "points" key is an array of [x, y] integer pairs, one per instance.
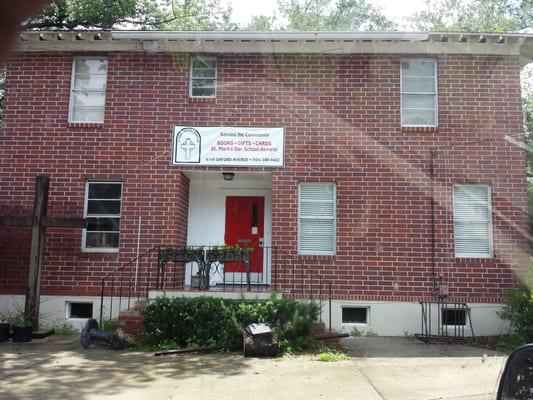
{"points": [[332, 355]]}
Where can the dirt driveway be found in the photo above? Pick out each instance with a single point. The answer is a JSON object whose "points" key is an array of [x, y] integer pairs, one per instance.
{"points": [[380, 368]]}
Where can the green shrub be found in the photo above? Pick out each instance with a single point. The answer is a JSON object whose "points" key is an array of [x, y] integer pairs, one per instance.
{"points": [[200, 321], [355, 332], [518, 310]]}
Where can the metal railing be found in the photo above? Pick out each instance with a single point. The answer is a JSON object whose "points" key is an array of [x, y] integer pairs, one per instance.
{"points": [[131, 281], [168, 268], [445, 321]]}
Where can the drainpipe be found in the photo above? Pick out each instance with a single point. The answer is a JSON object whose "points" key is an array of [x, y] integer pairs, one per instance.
{"points": [[432, 157], [141, 171]]}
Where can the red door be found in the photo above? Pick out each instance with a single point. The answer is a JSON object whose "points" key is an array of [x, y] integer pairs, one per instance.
{"points": [[245, 217]]}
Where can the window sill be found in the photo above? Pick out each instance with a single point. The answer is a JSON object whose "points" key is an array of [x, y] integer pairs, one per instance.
{"points": [[420, 128], [202, 99], [98, 125]]}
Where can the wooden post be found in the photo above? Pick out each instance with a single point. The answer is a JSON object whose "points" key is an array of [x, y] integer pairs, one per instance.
{"points": [[31, 309]]}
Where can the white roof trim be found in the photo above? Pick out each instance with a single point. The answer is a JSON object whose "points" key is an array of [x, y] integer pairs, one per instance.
{"points": [[279, 42]]}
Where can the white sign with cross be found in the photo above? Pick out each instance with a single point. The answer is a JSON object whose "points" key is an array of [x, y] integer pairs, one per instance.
{"points": [[228, 146]]}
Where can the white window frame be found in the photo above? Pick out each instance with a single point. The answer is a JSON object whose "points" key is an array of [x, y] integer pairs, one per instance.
{"points": [[490, 236], [319, 253], [436, 94], [191, 77], [85, 209], [363, 324], [72, 79]]}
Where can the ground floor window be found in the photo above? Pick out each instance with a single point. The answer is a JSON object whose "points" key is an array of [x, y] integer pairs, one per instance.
{"points": [[355, 315], [316, 218], [103, 202], [451, 316], [79, 310]]}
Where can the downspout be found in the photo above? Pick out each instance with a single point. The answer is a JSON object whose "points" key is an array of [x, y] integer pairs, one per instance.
{"points": [[141, 171], [432, 157]]}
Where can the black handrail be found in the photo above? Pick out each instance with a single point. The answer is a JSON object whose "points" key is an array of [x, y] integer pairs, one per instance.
{"points": [[113, 275], [283, 272]]}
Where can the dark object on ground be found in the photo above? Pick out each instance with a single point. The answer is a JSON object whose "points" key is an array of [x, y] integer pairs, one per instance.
{"points": [[189, 350], [22, 334], [42, 333], [331, 335], [4, 332], [90, 334], [517, 378], [259, 341]]}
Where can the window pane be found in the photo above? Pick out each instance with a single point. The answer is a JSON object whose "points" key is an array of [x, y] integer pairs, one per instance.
{"points": [[200, 62], [105, 190], [317, 235], [203, 83], [101, 240], [203, 72], [103, 224], [354, 315], [203, 92], [453, 316], [418, 117], [472, 221], [92, 82], [314, 192], [418, 101], [90, 66], [105, 207], [418, 68], [87, 114], [316, 209], [88, 99], [417, 85]]}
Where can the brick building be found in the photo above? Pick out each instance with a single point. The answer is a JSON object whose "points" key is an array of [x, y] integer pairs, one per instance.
{"points": [[375, 169]]}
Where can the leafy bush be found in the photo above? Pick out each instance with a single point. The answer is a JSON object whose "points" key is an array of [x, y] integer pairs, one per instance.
{"points": [[199, 321], [518, 309]]}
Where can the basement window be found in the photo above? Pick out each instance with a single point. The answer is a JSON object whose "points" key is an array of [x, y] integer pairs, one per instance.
{"points": [[451, 316], [79, 310], [355, 315]]}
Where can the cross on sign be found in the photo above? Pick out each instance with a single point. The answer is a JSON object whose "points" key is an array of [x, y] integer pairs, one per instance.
{"points": [[188, 146]]}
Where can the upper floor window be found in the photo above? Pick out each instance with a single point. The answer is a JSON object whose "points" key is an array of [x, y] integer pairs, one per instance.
{"points": [[87, 91], [203, 77], [419, 92], [472, 221], [103, 201], [316, 218]]}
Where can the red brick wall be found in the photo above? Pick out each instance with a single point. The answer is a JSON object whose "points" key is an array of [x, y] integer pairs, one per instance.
{"points": [[341, 116]]}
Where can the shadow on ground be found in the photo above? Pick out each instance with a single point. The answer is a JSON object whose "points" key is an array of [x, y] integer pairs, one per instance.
{"points": [[397, 347], [66, 371]]}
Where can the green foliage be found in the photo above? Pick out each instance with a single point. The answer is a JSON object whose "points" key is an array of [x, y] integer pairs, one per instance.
{"points": [[332, 356], [18, 321], [107, 325], [508, 343], [144, 14], [63, 329], [518, 310], [475, 16], [371, 333], [355, 332], [331, 15], [200, 321]]}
